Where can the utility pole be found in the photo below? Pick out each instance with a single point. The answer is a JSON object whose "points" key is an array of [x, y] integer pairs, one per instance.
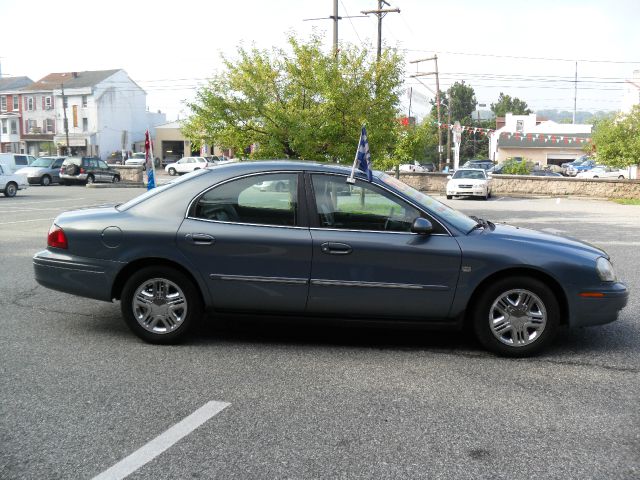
{"points": [[335, 17], [66, 123], [575, 94], [381, 13], [435, 59]]}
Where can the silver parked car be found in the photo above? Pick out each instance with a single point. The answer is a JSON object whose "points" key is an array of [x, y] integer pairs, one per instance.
{"points": [[43, 171]]}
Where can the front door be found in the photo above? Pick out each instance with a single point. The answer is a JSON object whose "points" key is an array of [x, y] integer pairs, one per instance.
{"points": [[367, 263], [250, 245]]}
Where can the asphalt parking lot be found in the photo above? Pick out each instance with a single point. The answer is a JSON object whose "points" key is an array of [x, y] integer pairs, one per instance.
{"points": [[80, 396]]}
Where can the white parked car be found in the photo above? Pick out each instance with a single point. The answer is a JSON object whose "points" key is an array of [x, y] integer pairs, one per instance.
{"points": [[474, 182], [186, 165], [602, 171], [10, 183], [138, 158]]}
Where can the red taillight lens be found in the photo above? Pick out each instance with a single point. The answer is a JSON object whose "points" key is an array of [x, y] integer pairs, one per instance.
{"points": [[57, 238], [82, 170]]}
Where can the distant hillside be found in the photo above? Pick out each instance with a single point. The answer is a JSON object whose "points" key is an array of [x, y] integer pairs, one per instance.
{"points": [[563, 116]]}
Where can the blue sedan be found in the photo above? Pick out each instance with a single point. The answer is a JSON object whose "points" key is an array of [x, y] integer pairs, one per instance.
{"points": [[216, 240]]}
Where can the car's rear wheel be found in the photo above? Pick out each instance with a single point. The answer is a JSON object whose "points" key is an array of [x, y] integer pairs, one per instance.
{"points": [[45, 181], [172, 171], [90, 179], [10, 189], [159, 304], [516, 316], [115, 179], [449, 197]]}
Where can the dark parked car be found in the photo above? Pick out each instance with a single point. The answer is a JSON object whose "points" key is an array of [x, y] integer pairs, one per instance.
{"points": [[545, 173], [214, 240], [87, 170]]}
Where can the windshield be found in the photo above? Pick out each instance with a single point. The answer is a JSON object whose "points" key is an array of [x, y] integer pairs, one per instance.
{"points": [[155, 191], [471, 174], [430, 204], [42, 162]]}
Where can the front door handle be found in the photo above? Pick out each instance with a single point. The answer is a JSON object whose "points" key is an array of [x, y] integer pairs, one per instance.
{"points": [[334, 248], [200, 238]]}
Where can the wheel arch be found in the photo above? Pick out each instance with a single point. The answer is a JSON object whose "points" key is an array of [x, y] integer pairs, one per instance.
{"points": [[130, 268], [547, 279]]}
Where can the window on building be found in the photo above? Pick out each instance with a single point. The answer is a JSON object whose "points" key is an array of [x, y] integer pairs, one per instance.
{"points": [[30, 103], [65, 102], [48, 103], [49, 125], [16, 103], [4, 126], [14, 127], [519, 125], [3, 103], [85, 124], [84, 101]]}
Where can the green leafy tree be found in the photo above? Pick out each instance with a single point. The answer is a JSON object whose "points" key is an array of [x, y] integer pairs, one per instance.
{"points": [[507, 104], [301, 102], [419, 143], [513, 167], [617, 139]]}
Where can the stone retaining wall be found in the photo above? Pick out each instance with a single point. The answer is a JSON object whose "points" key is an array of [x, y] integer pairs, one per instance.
{"points": [[129, 173], [529, 185]]}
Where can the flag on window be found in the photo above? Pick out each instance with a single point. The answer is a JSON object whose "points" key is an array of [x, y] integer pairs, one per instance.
{"points": [[148, 161], [363, 157]]}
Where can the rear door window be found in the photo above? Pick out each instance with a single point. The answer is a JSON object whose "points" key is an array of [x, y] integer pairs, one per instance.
{"points": [[21, 160]]}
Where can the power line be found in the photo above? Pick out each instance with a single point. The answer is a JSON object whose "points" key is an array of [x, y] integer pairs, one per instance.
{"points": [[522, 57]]}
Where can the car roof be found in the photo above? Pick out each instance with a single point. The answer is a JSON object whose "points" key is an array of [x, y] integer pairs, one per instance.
{"points": [[274, 165]]}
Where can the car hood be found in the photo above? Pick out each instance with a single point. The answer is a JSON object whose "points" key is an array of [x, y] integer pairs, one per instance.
{"points": [[535, 237], [466, 181], [30, 170]]}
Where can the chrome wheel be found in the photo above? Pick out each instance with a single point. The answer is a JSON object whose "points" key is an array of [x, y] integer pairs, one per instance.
{"points": [[159, 306], [517, 317]]}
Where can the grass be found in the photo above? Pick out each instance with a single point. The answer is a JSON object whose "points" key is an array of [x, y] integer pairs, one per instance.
{"points": [[626, 201]]}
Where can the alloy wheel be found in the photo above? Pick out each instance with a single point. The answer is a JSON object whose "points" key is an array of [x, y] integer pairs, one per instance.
{"points": [[517, 317], [159, 306]]}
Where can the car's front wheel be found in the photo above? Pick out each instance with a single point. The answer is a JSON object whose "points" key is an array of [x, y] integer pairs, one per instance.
{"points": [[45, 181], [115, 179], [516, 316], [90, 179], [159, 304], [172, 171]]}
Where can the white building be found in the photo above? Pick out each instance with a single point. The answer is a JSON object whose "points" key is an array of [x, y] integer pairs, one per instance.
{"points": [[105, 112]]}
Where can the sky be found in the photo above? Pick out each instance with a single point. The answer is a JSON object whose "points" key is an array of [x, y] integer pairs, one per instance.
{"points": [[170, 48]]}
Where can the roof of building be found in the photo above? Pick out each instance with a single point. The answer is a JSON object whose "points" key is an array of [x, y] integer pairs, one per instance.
{"points": [[14, 83], [546, 140], [71, 79]]}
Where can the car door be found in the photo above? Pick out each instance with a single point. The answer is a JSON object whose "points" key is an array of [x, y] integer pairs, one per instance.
{"points": [[252, 246], [185, 165], [55, 169], [105, 172], [366, 262]]}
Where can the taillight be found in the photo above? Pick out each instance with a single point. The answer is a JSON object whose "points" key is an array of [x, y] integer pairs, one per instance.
{"points": [[82, 170], [56, 237]]}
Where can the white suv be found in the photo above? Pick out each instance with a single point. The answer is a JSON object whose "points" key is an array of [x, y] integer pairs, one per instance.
{"points": [[10, 183], [186, 165]]}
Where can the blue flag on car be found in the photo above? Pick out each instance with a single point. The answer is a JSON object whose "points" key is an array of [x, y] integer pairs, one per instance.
{"points": [[363, 157], [148, 156]]}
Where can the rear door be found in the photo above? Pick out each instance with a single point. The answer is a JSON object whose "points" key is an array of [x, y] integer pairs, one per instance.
{"points": [[252, 246]]}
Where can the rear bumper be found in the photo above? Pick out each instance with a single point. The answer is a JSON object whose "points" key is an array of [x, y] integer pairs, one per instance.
{"points": [[74, 178], [587, 311], [85, 277]]}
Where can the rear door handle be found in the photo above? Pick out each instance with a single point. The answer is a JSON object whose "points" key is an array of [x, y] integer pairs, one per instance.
{"points": [[334, 248], [200, 238]]}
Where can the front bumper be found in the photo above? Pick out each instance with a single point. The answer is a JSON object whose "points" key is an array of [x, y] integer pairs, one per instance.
{"points": [[587, 311], [472, 192], [85, 277]]}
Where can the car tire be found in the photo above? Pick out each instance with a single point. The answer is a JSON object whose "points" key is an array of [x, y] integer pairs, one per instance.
{"points": [[506, 326], [45, 181], [621, 177], [595, 176], [10, 189], [449, 197], [172, 171], [115, 179], [147, 298], [90, 180]]}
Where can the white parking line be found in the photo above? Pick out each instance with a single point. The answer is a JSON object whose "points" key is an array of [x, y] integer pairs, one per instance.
{"points": [[25, 221], [162, 442]]}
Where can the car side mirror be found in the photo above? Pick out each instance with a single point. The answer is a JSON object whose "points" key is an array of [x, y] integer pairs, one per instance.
{"points": [[449, 177], [422, 226]]}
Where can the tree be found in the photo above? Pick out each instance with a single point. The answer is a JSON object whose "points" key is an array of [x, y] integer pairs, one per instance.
{"points": [[617, 139], [461, 98], [301, 103], [419, 143], [506, 104]]}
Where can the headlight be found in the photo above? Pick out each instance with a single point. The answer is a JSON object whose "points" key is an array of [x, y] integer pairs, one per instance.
{"points": [[605, 270]]}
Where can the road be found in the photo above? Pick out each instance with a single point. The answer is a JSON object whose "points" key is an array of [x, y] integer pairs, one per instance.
{"points": [[79, 393]]}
